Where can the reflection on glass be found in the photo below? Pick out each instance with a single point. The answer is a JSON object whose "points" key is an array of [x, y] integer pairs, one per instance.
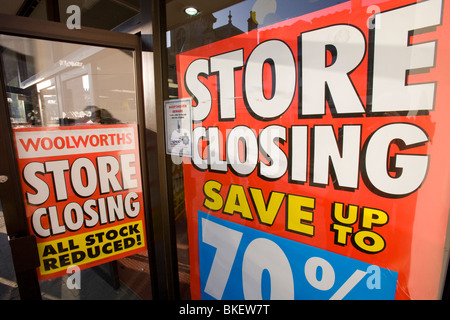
{"points": [[54, 83]]}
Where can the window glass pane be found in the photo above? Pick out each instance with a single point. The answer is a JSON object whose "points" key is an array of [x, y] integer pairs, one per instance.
{"points": [[73, 111], [303, 117], [8, 284]]}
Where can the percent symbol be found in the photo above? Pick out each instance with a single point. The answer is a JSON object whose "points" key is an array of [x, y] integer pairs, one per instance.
{"points": [[328, 277]]}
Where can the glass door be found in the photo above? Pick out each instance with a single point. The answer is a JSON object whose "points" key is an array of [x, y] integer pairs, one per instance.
{"points": [[74, 120]]}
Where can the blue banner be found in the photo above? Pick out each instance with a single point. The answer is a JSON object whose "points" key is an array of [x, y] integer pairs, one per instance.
{"points": [[238, 262]]}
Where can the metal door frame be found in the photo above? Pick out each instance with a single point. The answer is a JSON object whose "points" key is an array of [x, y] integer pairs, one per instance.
{"points": [[23, 245]]}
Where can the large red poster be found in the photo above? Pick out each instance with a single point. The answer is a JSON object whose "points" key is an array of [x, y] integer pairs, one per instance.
{"points": [[321, 143]]}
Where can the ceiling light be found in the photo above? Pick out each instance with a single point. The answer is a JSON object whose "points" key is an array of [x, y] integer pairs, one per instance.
{"points": [[191, 11]]}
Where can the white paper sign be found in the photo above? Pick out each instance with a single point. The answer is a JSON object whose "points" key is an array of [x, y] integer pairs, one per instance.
{"points": [[178, 127]]}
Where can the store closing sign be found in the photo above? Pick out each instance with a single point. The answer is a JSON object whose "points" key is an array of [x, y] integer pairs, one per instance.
{"points": [[319, 166], [83, 194]]}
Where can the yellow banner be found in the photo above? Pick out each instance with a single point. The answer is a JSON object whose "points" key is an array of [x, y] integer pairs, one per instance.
{"points": [[58, 255]]}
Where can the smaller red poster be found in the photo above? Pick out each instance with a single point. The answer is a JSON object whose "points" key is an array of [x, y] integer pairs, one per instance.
{"points": [[83, 194]]}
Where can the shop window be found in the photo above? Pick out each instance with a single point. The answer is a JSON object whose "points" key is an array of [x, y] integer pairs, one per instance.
{"points": [[282, 195]]}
